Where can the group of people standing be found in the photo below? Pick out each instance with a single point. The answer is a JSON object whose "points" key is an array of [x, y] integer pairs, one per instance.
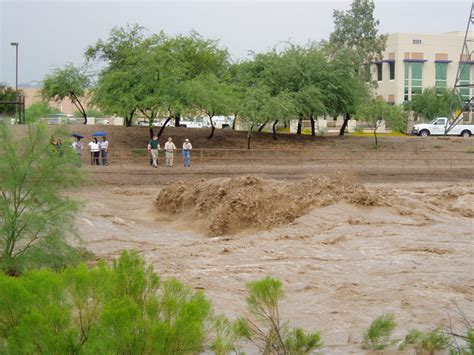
{"points": [[98, 149], [169, 148]]}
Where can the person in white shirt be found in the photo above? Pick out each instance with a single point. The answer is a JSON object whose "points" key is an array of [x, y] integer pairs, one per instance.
{"points": [[187, 152], [77, 147], [95, 150], [104, 148], [169, 152]]}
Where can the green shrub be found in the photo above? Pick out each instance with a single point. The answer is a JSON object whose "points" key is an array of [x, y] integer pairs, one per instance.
{"points": [[377, 336], [115, 309], [227, 335], [39, 110], [429, 342], [265, 329]]}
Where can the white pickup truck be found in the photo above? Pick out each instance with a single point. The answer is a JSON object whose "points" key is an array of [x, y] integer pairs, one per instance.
{"points": [[438, 126]]}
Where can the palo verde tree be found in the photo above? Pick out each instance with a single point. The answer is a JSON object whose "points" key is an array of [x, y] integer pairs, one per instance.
{"points": [[357, 39], [33, 210], [69, 82], [434, 102]]}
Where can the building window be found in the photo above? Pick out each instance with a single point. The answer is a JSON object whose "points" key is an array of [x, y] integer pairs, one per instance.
{"points": [[416, 78], [392, 70], [405, 96], [441, 76], [379, 71], [464, 79]]}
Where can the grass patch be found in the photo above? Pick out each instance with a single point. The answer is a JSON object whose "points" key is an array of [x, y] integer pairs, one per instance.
{"points": [[370, 134], [470, 150], [139, 152]]}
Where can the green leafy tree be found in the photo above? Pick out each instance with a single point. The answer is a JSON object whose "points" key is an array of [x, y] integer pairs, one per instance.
{"points": [[148, 74], [39, 110], [69, 82], [209, 95], [356, 40], [432, 103], [310, 103], [377, 111], [266, 329], [114, 91], [256, 109], [356, 33], [34, 214]]}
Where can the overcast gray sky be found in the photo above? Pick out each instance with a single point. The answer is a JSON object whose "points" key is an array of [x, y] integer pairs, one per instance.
{"points": [[53, 33]]}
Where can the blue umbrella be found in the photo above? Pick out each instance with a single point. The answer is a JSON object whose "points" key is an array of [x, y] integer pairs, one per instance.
{"points": [[77, 135], [99, 134]]}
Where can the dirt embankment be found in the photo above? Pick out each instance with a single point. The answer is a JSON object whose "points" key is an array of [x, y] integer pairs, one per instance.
{"points": [[227, 206]]}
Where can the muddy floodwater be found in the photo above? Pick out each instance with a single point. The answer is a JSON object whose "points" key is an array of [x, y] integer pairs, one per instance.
{"points": [[343, 262]]}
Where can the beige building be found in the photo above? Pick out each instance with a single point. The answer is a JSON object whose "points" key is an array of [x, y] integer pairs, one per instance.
{"points": [[413, 62], [32, 95]]}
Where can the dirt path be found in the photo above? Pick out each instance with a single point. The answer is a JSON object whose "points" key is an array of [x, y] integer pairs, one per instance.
{"points": [[342, 265]]}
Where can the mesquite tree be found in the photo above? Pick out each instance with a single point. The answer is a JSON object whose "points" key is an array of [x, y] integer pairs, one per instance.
{"points": [[69, 82]]}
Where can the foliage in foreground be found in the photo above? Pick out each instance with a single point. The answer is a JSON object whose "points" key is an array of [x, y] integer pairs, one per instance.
{"points": [[118, 309], [264, 327], [377, 336], [429, 342], [35, 217], [439, 339]]}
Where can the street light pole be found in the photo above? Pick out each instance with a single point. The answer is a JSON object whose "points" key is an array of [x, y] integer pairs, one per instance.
{"points": [[16, 79], [16, 68]]}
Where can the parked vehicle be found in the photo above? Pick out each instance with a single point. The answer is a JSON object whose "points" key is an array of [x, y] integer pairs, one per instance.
{"points": [[438, 126]]}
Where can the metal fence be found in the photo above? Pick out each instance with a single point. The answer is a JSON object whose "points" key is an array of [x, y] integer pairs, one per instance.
{"points": [[302, 158]]}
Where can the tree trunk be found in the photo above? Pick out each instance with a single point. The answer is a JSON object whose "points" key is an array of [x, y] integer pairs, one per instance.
{"points": [[127, 121], [152, 133], [274, 130], [79, 106], [164, 126], [347, 117], [212, 128], [262, 126], [249, 136], [233, 123], [300, 123], [177, 120], [313, 131], [375, 136]]}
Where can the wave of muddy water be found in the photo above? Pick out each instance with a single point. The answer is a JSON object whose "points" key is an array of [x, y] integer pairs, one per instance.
{"points": [[342, 265]]}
